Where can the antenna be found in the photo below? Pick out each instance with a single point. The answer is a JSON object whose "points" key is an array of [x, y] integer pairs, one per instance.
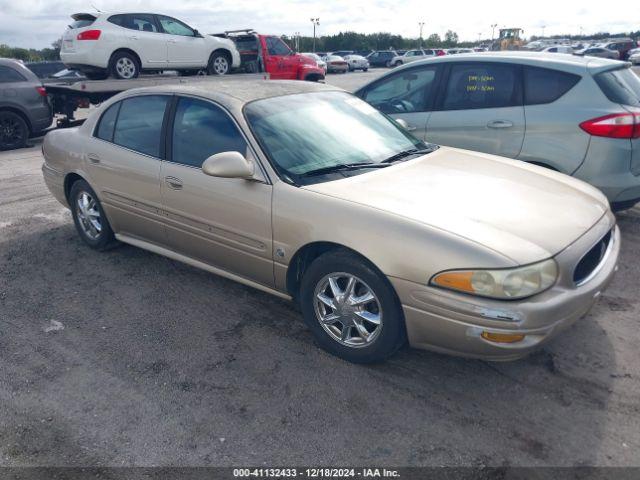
{"points": [[96, 8]]}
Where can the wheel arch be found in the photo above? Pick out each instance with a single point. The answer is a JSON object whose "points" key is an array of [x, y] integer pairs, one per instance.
{"points": [[226, 52], [21, 113], [313, 77], [129, 51], [306, 254], [69, 180]]}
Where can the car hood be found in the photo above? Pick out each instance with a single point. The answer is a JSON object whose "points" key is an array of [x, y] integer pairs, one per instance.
{"points": [[521, 211]]}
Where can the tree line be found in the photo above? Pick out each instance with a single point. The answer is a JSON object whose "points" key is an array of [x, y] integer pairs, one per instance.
{"points": [[373, 41], [32, 54]]}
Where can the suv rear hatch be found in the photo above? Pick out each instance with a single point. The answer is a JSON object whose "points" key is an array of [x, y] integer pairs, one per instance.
{"points": [[80, 22], [622, 86]]}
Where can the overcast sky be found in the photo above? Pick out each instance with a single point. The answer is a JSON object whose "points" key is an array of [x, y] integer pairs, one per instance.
{"points": [[37, 23]]}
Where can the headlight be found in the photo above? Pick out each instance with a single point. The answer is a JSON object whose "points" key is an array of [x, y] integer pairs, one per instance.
{"points": [[507, 284]]}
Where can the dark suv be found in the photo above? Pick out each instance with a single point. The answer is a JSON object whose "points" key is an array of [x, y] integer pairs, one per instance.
{"points": [[381, 58], [24, 107]]}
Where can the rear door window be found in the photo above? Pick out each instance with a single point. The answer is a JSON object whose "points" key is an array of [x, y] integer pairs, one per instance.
{"points": [[201, 129], [482, 85], [135, 21], [544, 85], [407, 91], [139, 124], [107, 123], [620, 86], [9, 75]]}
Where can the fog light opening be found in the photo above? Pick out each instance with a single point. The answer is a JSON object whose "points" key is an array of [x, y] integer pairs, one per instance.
{"points": [[502, 337]]}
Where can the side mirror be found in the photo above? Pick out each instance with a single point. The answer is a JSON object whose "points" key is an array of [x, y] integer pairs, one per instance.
{"points": [[228, 165], [196, 33], [402, 122]]}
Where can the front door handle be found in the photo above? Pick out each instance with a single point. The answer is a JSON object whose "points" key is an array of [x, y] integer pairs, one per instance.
{"points": [[500, 124], [93, 158], [173, 183]]}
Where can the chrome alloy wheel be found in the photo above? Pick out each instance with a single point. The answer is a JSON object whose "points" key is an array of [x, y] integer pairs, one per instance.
{"points": [[348, 309], [220, 65], [125, 67], [89, 215]]}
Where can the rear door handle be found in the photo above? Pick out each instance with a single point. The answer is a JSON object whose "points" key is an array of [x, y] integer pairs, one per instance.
{"points": [[93, 158], [500, 124], [173, 183], [133, 37]]}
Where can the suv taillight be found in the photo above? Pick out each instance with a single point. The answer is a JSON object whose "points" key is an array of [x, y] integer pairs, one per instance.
{"points": [[617, 125], [89, 35], [42, 91]]}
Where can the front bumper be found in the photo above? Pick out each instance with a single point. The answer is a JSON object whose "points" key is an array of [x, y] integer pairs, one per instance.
{"points": [[452, 323]]}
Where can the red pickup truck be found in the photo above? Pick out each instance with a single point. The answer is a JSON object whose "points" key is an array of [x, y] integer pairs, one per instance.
{"points": [[268, 53]]}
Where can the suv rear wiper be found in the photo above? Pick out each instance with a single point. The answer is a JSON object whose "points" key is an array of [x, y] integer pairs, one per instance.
{"points": [[408, 153], [342, 167]]}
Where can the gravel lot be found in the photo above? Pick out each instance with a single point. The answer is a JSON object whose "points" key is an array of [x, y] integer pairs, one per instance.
{"points": [[128, 358]]}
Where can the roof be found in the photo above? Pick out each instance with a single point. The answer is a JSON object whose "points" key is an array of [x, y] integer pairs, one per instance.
{"points": [[241, 91], [565, 62]]}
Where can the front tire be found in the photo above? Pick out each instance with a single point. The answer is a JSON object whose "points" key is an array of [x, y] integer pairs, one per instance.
{"points": [[89, 217], [351, 308], [14, 131], [124, 66], [219, 64]]}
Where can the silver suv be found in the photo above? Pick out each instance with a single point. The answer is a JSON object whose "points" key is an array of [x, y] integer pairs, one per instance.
{"points": [[580, 116]]}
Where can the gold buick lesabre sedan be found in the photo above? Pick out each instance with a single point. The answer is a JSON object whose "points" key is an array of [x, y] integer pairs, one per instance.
{"points": [[306, 192]]}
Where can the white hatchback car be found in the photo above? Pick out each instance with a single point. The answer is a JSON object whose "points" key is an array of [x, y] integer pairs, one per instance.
{"points": [[124, 44]]}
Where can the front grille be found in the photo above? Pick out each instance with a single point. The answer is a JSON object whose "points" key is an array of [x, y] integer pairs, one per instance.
{"points": [[591, 260]]}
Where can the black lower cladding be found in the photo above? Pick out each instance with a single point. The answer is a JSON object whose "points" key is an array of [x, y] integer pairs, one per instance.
{"points": [[592, 259]]}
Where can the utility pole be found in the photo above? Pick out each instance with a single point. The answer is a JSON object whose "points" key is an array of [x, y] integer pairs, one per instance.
{"points": [[493, 30], [479, 35], [315, 21], [543, 27], [421, 25], [297, 41]]}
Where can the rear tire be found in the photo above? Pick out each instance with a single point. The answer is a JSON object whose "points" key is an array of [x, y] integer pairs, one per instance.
{"points": [[89, 217], [14, 131], [374, 322], [124, 66]]}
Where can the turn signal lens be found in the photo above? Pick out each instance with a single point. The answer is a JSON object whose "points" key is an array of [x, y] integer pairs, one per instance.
{"points": [[503, 284], [502, 337]]}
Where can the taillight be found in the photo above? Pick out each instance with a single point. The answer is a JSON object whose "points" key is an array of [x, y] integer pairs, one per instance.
{"points": [[89, 35], [42, 91], [617, 125]]}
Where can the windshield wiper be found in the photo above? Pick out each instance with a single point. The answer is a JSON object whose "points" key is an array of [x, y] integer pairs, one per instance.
{"points": [[342, 167], [408, 153]]}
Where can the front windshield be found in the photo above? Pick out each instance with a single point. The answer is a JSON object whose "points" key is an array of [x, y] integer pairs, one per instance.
{"points": [[306, 132]]}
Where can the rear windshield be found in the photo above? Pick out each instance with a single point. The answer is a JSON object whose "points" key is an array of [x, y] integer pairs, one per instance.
{"points": [[620, 86], [81, 23]]}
